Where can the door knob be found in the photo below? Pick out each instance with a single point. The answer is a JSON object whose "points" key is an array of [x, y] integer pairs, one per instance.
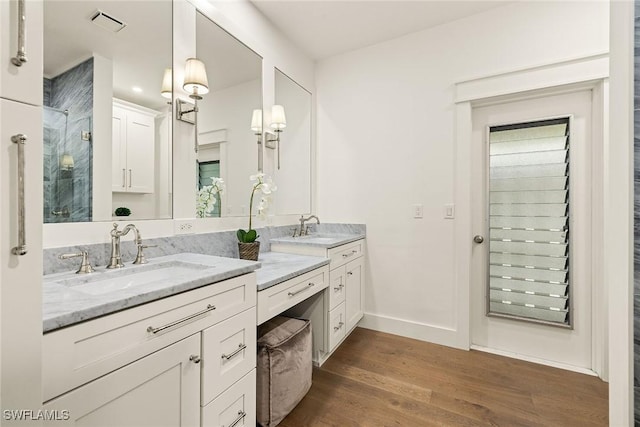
{"points": [[478, 238]]}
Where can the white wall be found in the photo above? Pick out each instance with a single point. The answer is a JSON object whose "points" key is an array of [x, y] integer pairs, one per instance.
{"points": [[385, 125]]}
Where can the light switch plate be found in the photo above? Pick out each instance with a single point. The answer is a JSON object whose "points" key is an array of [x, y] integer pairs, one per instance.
{"points": [[418, 211], [449, 211]]}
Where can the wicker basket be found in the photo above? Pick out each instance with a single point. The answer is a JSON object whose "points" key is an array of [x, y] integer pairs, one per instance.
{"points": [[249, 250]]}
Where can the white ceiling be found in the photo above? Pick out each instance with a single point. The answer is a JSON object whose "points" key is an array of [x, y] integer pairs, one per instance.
{"points": [[140, 52], [324, 28]]}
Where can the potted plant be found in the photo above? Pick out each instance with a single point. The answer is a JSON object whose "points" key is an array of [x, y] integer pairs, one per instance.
{"points": [[122, 211], [207, 197], [248, 246]]}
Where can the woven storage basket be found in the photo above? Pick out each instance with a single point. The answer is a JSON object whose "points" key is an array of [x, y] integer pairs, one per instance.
{"points": [[249, 250]]}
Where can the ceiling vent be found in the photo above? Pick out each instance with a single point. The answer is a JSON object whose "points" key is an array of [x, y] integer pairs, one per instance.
{"points": [[107, 22]]}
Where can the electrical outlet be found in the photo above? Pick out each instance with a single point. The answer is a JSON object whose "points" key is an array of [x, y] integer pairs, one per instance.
{"points": [[418, 211], [184, 226]]}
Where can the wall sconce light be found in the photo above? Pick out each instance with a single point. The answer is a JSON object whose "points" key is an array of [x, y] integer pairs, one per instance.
{"points": [[66, 162], [278, 123], [167, 84], [196, 84]]}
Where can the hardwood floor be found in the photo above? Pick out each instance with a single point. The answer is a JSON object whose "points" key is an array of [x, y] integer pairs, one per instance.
{"points": [[377, 379]]}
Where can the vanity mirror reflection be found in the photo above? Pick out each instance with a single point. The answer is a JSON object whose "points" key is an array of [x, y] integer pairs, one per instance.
{"points": [[293, 174], [228, 147], [107, 109]]}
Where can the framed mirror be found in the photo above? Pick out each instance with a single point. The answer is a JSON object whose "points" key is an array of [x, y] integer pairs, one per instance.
{"points": [[293, 175], [228, 148], [107, 110]]}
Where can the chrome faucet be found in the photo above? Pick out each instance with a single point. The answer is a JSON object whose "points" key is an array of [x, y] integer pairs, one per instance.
{"points": [[303, 230], [116, 257]]}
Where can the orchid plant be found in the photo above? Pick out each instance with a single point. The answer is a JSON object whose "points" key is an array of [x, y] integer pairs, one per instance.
{"points": [[264, 186], [207, 197]]}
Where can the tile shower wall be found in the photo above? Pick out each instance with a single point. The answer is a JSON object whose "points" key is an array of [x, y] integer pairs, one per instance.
{"points": [[636, 186], [68, 192]]}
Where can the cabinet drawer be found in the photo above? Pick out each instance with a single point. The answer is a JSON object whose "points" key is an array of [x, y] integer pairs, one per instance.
{"points": [[345, 253], [337, 326], [235, 407], [337, 281], [228, 353], [76, 355], [276, 299]]}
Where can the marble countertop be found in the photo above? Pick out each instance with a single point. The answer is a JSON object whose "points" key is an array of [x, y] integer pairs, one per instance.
{"points": [[322, 240], [69, 299], [278, 267]]}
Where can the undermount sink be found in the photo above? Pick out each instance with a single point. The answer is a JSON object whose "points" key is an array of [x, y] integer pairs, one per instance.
{"points": [[327, 240], [106, 281]]}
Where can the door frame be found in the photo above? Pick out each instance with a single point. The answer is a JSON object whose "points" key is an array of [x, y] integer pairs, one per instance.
{"points": [[583, 73]]}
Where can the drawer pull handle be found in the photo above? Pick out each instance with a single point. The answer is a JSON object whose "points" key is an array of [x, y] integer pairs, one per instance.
{"points": [[350, 273], [337, 288], [335, 328], [309, 286], [184, 319], [353, 252], [241, 415], [241, 347], [195, 358]]}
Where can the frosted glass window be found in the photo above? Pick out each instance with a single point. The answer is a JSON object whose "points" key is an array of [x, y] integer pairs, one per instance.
{"points": [[529, 222]]}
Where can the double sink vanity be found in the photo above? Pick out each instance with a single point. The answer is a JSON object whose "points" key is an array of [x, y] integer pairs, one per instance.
{"points": [[173, 341]]}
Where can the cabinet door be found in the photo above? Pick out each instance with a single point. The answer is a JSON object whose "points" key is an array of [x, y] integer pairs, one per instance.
{"points": [[140, 152], [119, 150], [22, 83], [20, 276], [354, 296], [161, 389]]}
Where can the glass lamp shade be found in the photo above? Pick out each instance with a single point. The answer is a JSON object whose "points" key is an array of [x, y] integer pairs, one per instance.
{"points": [[167, 84], [195, 77], [256, 121], [278, 119]]}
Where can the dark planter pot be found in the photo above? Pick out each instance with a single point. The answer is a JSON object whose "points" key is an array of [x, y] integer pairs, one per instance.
{"points": [[249, 251]]}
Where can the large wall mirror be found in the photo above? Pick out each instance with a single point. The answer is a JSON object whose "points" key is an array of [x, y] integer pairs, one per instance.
{"points": [[227, 146], [107, 110], [293, 173]]}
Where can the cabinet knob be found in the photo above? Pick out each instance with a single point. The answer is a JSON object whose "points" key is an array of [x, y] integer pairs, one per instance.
{"points": [[478, 239], [195, 358]]}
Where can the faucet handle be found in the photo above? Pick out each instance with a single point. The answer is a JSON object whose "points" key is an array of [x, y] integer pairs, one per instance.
{"points": [[85, 267], [140, 258]]}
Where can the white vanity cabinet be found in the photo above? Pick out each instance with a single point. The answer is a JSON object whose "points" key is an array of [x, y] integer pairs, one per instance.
{"points": [[343, 303], [133, 148], [169, 362]]}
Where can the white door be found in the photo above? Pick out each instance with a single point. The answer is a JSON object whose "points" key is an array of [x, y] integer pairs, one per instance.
{"points": [[557, 345]]}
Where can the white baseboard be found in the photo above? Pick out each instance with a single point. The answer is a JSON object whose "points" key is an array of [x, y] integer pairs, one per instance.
{"points": [[535, 360], [415, 330]]}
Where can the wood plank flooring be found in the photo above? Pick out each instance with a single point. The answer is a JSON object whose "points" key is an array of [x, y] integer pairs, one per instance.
{"points": [[378, 379]]}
